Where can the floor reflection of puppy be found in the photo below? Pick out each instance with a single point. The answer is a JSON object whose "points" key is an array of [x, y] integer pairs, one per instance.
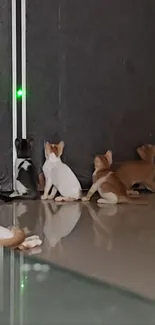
{"points": [[30, 217], [9, 213], [102, 232], [60, 220]]}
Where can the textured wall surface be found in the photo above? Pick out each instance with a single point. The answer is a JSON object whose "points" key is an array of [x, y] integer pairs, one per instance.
{"points": [[5, 97], [91, 77]]}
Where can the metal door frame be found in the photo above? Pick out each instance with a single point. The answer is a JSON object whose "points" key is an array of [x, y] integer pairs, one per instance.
{"points": [[14, 75]]}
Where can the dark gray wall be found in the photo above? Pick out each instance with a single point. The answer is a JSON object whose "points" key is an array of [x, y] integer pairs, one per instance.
{"points": [[91, 77], [42, 73], [5, 97]]}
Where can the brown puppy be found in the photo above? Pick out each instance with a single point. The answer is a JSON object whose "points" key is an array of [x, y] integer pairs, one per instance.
{"points": [[110, 188], [140, 171]]}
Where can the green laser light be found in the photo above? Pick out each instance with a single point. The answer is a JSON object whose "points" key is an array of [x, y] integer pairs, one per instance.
{"points": [[19, 93]]}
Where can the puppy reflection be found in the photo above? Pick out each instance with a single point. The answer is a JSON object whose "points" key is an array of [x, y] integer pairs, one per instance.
{"points": [[101, 227], [60, 220]]}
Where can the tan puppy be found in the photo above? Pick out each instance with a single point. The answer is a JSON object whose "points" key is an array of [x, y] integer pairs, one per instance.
{"points": [[140, 171], [110, 188]]}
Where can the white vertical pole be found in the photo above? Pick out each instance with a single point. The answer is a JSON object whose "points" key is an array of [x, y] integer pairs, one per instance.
{"points": [[23, 51], [14, 136], [14, 86]]}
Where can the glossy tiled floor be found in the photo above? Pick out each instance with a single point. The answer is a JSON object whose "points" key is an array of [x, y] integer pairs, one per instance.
{"points": [[114, 243]]}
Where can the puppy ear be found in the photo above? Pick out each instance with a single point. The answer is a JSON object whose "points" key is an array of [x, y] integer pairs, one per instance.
{"points": [[108, 156], [18, 143], [142, 152], [46, 149], [45, 144], [30, 142], [60, 147], [97, 162]]}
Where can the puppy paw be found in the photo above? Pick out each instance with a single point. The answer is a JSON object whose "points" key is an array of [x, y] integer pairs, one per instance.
{"points": [[44, 197], [59, 199], [132, 193], [85, 199]]}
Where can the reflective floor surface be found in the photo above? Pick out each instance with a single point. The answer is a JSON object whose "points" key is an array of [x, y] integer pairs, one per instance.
{"points": [[111, 243], [36, 292]]}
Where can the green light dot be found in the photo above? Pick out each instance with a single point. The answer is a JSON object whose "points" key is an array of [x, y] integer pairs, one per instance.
{"points": [[19, 93]]}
